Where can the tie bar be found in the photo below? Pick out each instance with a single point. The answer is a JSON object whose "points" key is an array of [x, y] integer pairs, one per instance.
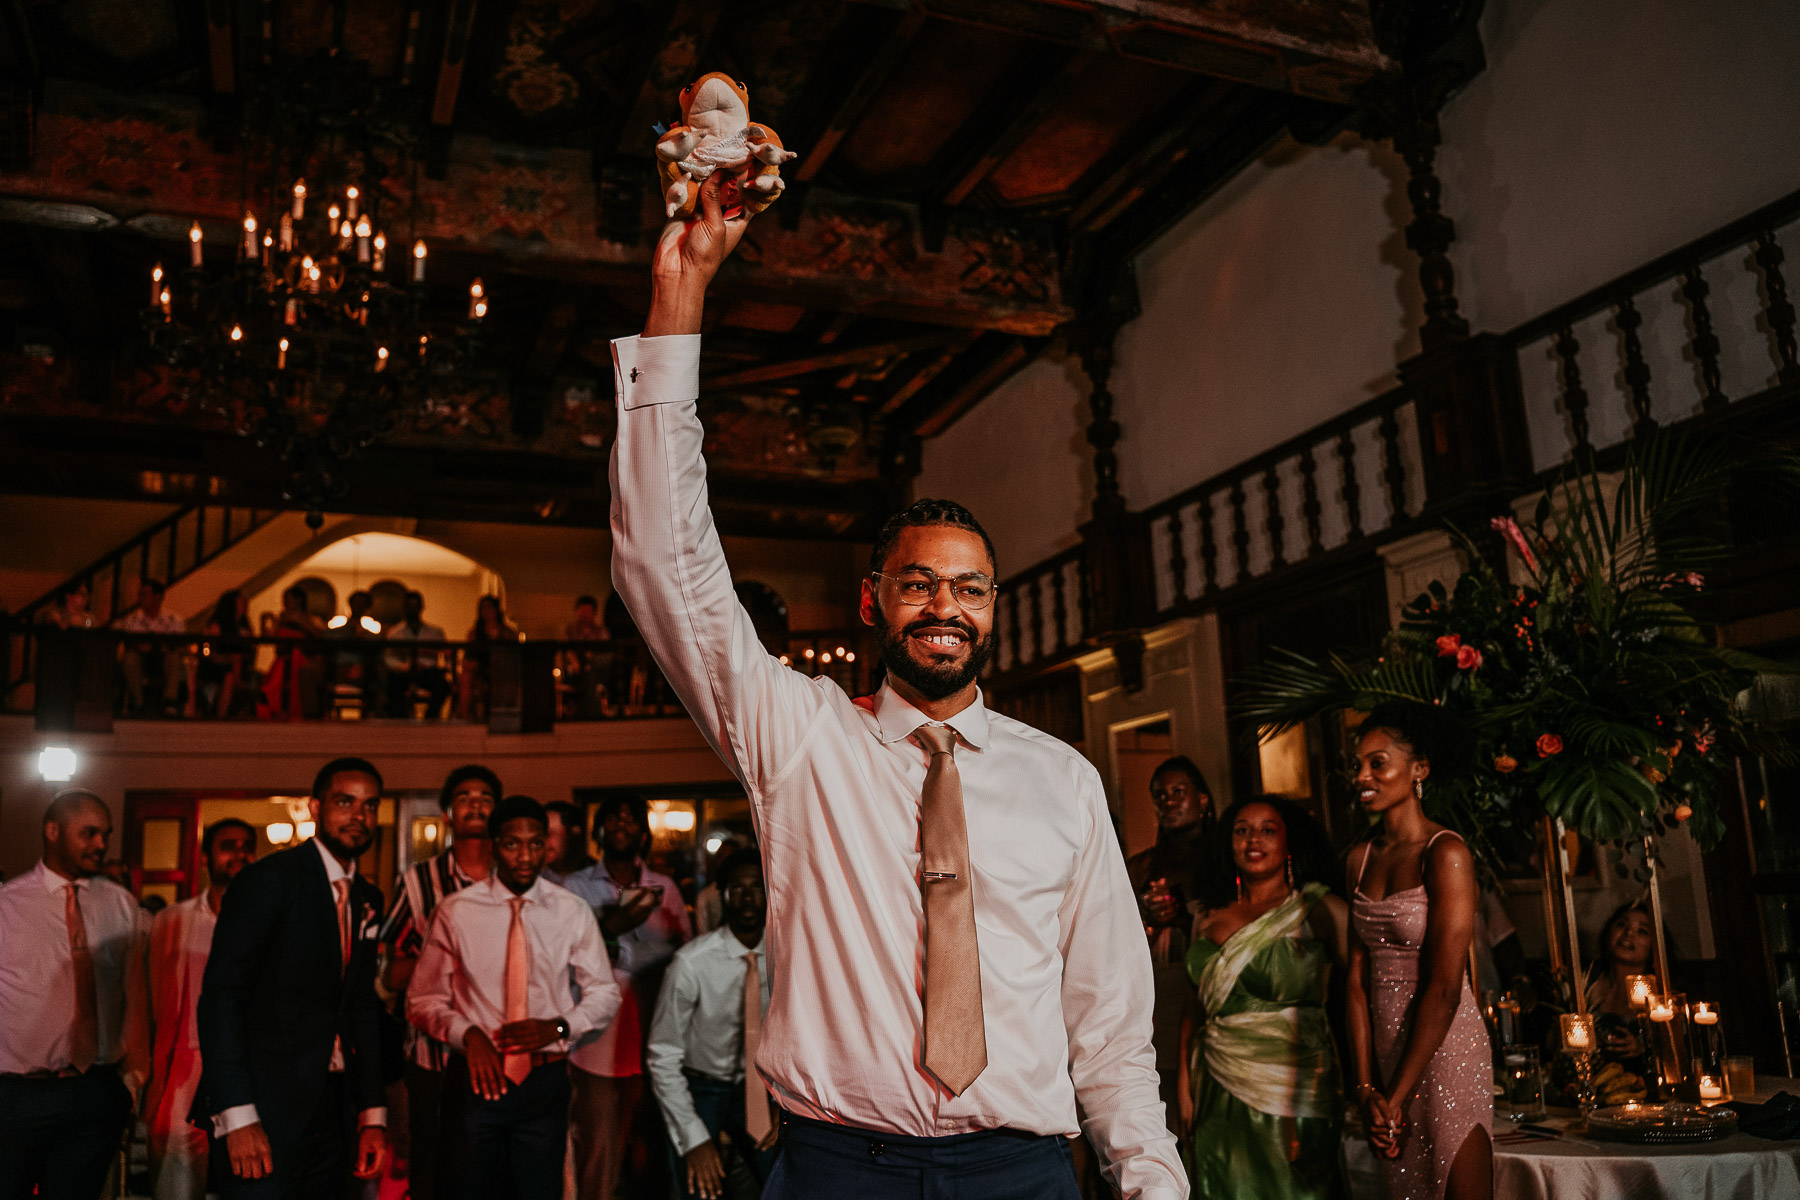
{"points": [[939, 874]]}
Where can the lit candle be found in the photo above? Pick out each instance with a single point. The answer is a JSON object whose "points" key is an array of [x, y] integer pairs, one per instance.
{"points": [[237, 333], [194, 236], [281, 354], [268, 246], [350, 197], [1710, 1091], [1640, 988], [287, 232], [380, 252], [332, 214], [345, 233], [156, 287], [1704, 1014], [363, 233], [1578, 1032], [299, 199], [164, 301], [250, 235], [419, 261], [1661, 1009], [424, 344], [477, 305], [292, 317], [381, 357]]}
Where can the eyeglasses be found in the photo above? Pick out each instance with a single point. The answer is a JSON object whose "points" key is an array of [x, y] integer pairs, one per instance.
{"points": [[920, 587]]}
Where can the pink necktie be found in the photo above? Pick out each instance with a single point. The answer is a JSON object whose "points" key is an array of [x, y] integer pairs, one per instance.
{"points": [[757, 1121], [955, 1037], [342, 888], [84, 1026], [518, 984]]}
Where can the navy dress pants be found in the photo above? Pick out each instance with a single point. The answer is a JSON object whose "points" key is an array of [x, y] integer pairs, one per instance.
{"points": [[513, 1146], [312, 1163], [721, 1107], [818, 1161], [60, 1136]]}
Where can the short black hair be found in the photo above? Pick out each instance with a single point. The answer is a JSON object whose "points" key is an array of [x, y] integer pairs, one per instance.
{"points": [[340, 766], [155, 585], [217, 827], [1428, 731], [747, 857], [514, 808], [927, 512], [461, 776], [573, 819], [1182, 762], [1309, 851], [587, 600]]}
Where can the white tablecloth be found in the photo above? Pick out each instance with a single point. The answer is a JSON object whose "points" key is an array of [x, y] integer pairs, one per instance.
{"points": [[1740, 1167]]}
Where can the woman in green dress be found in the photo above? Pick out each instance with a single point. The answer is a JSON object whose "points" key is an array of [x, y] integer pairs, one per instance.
{"points": [[1267, 1104]]}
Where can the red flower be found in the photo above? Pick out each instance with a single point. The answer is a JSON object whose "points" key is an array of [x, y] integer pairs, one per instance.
{"points": [[1468, 658], [1448, 645], [1506, 764], [1548, 744]]}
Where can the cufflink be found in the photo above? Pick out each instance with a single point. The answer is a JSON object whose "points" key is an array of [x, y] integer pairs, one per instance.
{"points": [[634, 374], [939, 874]]}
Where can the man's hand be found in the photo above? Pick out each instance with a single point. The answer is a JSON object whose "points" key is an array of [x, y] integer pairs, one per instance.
{"points": [[487, 1079], [617, 920], [1157, 905], [688, 255], [371, 1152], [248, 1149], [705, 1169], [522, 1037]]}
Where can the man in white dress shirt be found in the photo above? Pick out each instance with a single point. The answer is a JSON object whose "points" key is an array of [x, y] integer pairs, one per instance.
{"points": [[959, 969], [73, 1011], [180, 941], [494, 983], [703, 1042]]}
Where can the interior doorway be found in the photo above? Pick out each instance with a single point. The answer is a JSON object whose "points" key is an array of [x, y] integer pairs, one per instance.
{"points": [[1138, 748]]}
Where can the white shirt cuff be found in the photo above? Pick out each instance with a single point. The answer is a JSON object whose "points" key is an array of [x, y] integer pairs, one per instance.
{"points": [[656, 370], [692, 1133], [238, 1116], [372, 1116]]}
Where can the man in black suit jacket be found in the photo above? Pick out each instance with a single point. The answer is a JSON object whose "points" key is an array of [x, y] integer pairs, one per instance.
{"points": [[289, 1033]]}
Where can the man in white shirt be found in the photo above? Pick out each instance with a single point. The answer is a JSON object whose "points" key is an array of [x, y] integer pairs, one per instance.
{"points": [[514, 972], [180, 941], [73, 1010], [958, 962], [157, 665], [412, 672], [703, 1042]]}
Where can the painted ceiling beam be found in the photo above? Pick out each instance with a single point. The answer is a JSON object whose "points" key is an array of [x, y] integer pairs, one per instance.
{"points": [[888, 53], [1017, 124], [854, 356]]}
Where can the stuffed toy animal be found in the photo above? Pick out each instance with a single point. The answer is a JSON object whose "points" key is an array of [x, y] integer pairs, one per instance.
{"points": [[716, 133]]}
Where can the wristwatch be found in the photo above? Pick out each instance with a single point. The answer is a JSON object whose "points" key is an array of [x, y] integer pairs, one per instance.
{"points": [[562, 1030]]}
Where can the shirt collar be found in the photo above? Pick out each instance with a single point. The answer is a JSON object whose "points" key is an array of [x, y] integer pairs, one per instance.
{"points": [[499, 893], [334, 870], [729, 943], [897, 719], [54, 882]]}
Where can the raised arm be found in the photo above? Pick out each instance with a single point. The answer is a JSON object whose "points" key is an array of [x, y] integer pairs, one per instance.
{"points": [[668, 564], [1107, 995]]}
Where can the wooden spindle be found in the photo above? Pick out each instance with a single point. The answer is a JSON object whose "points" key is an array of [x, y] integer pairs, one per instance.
{"points": [[1177, 555], [1351, 493], [1014, 631], [1393, 466], [1777, 308], [1274, 522], [1309, 501], [1240, 530], [1083, 600], [1575, 397], [1059, 609], [1037, 617], [1637, 371], [1209, 547], [1705, 344]]}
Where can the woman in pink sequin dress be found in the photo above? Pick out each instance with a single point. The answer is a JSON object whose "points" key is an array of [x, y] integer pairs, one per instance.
{"points": [[1421, 1061]]}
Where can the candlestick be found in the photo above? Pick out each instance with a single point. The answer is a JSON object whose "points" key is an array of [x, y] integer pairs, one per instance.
{"points": [[345, 233], [237, 333], [287, 232], [381, 358], [163, 300], [292, 317], [1568, 892], [363, 233], [1578, 1032], [332, 213], [281, 354], [477, 305], [194, 236], [350, 197], [419, 261], [380, 263], [299, 199], [250, 236], [156, 287]]}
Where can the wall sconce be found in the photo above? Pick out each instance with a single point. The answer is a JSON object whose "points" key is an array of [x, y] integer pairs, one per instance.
{"points": [[56, 764], [279, 833]]}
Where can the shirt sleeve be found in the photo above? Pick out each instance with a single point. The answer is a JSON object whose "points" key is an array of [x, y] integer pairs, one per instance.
{"points": [[670, 568], [667, 1052], [592, 974], [1107, 998], [430, 1005]]}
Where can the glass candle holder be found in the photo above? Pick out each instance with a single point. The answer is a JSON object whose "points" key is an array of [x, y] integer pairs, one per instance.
{"points": [[1669, 1046], [1708, 1045], [1638, 990], [1521, 1084], [1580, 1039]]}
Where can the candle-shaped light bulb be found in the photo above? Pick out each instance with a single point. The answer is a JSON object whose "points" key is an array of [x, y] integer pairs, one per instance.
{"points": [[194, 236], [380, 252], [163, 300], [156, 287], [381, 357], [350, 198], [333, 213], [364, 231], [419, 261], [249, 235], [345, 233], [292, 316], [237, 333], [477, 305], [480, 309], [281, 355], [299, 199], [287, 232]]}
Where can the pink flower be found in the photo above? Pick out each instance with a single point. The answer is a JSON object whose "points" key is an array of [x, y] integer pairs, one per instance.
{"points": [[1516, 536], [1548, 744], [1449, 645], [1468, 658]]}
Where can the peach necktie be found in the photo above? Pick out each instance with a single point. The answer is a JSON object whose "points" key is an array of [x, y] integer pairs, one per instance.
{"points": [[342, 888], [757, 1121], [955, 1039], [518, 985], [84, 1026]]}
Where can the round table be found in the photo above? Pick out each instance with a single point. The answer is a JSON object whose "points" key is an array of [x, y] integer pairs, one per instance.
{"points": [[1579, 1167]]}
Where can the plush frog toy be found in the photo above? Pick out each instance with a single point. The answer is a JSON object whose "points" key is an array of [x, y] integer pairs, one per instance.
{"points": [[716, 133]]}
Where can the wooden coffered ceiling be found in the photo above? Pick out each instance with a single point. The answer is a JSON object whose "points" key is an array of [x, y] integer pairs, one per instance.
{"points": [[970, 173]]}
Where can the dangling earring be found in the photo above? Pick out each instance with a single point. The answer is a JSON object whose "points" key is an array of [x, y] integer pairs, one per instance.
{"points": [[1240, 886], [1419, 788], [1290, 872]]}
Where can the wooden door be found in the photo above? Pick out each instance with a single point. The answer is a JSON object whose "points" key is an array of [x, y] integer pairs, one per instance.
{"points": [[162, 845]]}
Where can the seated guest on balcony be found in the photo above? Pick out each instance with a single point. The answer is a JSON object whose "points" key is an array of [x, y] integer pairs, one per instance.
{"points": [[70, 611], [491, 627], [1163, 876], [702, 1053], [466, 799], [642, 915], [290, 1041], [514, 972], [74, 1027], [1269, 1106], [180, 940], [293, 687], [581, 674], [412, 674], [151, 670], [566, 848], [223, 670]]}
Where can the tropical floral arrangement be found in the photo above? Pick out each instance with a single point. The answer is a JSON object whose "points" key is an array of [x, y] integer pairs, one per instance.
{"points": [[1574, 658]]}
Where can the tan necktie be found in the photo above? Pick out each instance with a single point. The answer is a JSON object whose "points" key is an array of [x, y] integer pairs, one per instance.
{"points": [[955, 1040], [342, 889], [518, 985], [757, 1121], [84, 1027]]}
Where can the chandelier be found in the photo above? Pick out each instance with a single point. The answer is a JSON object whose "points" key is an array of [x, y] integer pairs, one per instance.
{"points": [[314, 335]]}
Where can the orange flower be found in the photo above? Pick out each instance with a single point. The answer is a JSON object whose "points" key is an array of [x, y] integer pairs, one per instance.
{"points": [[1468, 658], [1548, 744], [1683, 812], [1506, 764], [1448, 645]]}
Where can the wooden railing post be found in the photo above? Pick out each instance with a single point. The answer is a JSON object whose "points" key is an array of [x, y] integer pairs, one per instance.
{"points": [[1121, 579]]}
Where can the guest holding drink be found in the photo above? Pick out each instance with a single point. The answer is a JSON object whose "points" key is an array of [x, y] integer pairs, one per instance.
{"points": [[1268, 1107], [1420, 1052]]}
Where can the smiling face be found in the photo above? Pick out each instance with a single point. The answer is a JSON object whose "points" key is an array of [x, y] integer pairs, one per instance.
{"points": [[75, 846], [1628, 941], [1259, 842], [1386, 771], [1179, 801], [939, 647]]}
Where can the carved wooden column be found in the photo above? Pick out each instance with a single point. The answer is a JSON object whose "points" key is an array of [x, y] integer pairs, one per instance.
{"points": [[1121, 580]]}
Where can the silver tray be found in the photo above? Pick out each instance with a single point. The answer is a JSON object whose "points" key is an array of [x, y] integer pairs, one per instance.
{"points": [[1662, 1124]]}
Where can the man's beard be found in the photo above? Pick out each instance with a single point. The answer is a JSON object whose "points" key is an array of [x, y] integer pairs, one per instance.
{"points": [[934, 682], [346, 851]]}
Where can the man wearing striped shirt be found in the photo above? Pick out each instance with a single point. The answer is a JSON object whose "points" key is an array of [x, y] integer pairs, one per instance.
{"points": [[467, 798]]}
